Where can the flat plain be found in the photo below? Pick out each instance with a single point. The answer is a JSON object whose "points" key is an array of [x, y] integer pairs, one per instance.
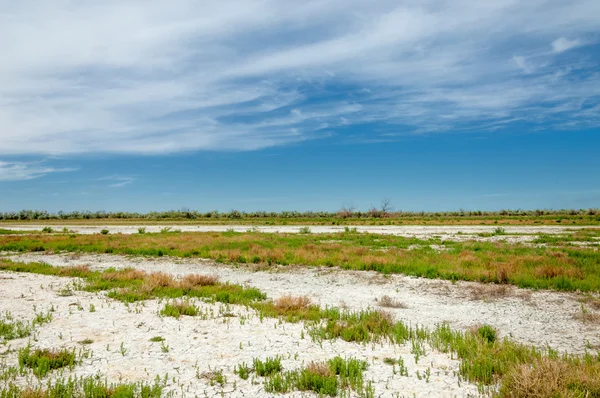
{"points": [[242, 310]]}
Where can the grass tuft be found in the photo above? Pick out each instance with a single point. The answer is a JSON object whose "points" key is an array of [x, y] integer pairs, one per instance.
{"points": [[42, 361]]}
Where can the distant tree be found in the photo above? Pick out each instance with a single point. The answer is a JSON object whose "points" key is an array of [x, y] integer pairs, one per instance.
{"points": [[346, 211], [386, 206]]}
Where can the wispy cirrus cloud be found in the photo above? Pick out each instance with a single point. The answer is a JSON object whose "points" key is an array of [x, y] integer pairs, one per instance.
{"points": [[18, 171], [117, 181], [563, 44], [150, 77]]}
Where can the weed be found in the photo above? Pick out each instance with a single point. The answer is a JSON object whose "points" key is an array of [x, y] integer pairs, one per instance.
{"points": [[13, 329], [46, 360], [104, 232], [164, 347], [242, 370], [268, 367], [47, 230], [86, 341], [304, 230], [179, 308], [89, 387], [487, 333], [387, 301], [122, 349], [157, 339], [587, 316]]}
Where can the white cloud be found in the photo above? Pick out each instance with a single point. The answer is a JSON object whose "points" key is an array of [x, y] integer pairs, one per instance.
{"points": [[133, 76], [17, 171], [522, 63], [117, 181], [562, 44]]}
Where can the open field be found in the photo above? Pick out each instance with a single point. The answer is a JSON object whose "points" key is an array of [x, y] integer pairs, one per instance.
{"points": [[459, 232], [200, 313], [372, 217], [563, 260]]}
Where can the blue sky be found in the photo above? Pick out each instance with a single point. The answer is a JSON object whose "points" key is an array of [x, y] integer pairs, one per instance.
{"points": [[274, 105]]}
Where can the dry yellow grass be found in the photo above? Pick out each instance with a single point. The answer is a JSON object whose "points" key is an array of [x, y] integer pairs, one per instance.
{"points": [[193, 280], [490, 291], [156, 280], [292, 303], [387, 301], [124, 275], [320, 369], [552, 378], [74, 270]]}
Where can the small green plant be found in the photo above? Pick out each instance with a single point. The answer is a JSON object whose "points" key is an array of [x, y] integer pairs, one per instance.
{"points": [[389, 361], [164, 347], [122, 349], [142, 230], [217, 377], [179, 308], [165, 230], [499, 231], [242, 370], [304, 230], [268, 367], [86, 342], [65, 292], [13, 329], [402, 369], [40, 318], [157, 339], [47, 230], [46, 360], [92, 308], [487, 333], [104, 232]]}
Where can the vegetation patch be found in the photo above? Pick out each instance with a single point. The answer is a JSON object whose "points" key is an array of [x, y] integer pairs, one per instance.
{"points": [[42, 361], [484, 358], [562, 268], [88, 387], [179, 308], [323, 378]]}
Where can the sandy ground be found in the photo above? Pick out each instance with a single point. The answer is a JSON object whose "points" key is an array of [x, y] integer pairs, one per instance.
{"points": [[513, 234], [538, 318], [197, 346]]}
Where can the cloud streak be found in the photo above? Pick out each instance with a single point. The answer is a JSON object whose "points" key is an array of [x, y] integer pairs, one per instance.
{"points": [[149, 77], [18, 171]]}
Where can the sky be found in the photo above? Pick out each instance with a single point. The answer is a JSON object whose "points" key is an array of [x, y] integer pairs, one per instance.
{"points": [[277, 105]]}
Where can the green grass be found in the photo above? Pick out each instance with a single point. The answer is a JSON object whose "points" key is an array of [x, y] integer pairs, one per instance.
{"points": [[267, 367], [46, 360], [15, 232], [176, 309], [323, 378], [84, 387], [560, 268], [13, 329]]}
